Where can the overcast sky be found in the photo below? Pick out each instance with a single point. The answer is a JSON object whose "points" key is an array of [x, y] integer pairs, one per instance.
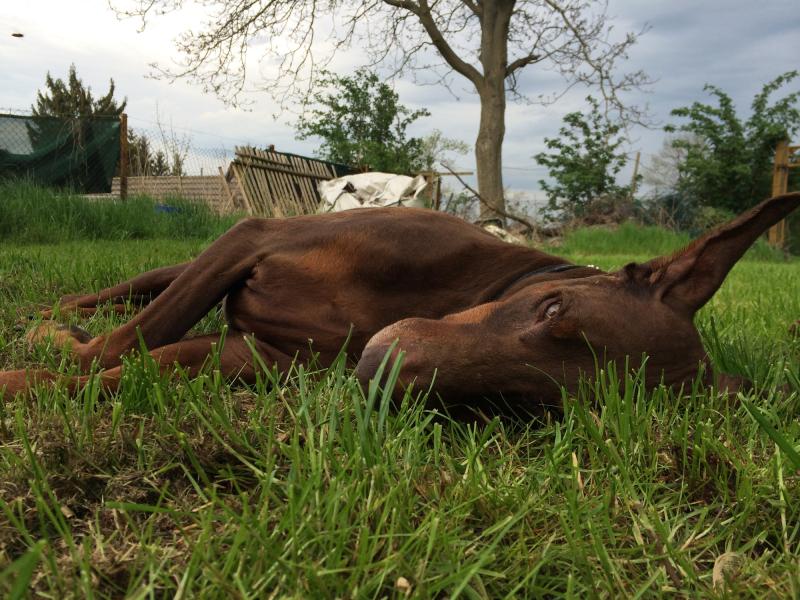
{"points": [[736, 45]]}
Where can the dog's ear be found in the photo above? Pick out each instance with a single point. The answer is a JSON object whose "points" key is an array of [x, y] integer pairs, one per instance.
{"points": [[688, 279]]}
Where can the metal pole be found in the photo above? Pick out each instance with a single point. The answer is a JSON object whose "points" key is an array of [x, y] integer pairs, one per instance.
{"points": [[123, 157]]}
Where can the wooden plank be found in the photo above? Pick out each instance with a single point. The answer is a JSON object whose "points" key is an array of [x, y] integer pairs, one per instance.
{"points": [[312, 195], [272, 181], [226, 191], [270, 186], [298, 182], [255, 200], [260, 206], [259, 189], [307, 186], [268, 193], [290, 180], [294, 194], [239, 175], [237, 168], [281, 168], [280, 184], [326, 171], [261, 156], [289, 194], [311, 182], [284, 196], [279, 178]]}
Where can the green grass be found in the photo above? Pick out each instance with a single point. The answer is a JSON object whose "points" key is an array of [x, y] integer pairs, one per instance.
{"points": [[36, 215], [638, 242], [627, 238], [300, 486]]}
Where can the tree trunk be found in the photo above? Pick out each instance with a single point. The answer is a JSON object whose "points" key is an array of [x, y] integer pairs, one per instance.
{"points": [[488, 151], [495, 20]]}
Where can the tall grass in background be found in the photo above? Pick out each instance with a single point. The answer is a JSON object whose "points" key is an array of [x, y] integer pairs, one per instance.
{"points": [[631, 239], [30, 214]]}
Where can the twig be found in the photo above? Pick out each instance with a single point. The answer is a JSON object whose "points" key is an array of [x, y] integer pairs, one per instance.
{"points": [[531, 228]]}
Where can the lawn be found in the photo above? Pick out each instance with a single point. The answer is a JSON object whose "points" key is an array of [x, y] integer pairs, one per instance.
{"points": [[302, 487]]}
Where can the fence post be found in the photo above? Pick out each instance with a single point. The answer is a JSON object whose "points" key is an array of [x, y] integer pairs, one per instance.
{"points": [[776, 236], [123, 157]]}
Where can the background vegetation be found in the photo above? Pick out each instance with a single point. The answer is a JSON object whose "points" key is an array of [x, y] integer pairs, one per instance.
{"points": [[71, 99], [583, 163], [727, 162], [34, 215], [361, 122], [716, 165]]}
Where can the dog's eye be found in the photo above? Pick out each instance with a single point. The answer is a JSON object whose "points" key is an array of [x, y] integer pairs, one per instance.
{"points": [[552, 310]]}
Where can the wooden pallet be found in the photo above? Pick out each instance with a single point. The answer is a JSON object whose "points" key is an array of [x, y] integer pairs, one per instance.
{"points": [[275, 184]]}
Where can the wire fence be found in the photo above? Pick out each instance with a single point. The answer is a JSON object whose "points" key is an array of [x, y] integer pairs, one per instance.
{"points": [[84, 155], [155, 151], [80, 154], [164, 163]]}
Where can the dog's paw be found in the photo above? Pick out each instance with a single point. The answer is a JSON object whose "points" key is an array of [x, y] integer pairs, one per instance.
{"points": [[61, 336], [31, 313], [794, 329]]}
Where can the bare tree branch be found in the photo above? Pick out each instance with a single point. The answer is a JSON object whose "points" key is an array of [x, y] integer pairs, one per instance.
{"points": [[530, 227], [423, 13]]}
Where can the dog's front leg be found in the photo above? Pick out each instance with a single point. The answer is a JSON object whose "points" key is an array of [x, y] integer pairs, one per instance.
{"points": [[235, 361]]}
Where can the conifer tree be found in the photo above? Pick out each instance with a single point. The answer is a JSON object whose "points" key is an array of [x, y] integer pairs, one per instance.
{"points": [[72, 99]]}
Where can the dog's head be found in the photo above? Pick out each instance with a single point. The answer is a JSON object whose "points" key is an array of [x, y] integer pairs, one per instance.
{"points": [[546, 335]]}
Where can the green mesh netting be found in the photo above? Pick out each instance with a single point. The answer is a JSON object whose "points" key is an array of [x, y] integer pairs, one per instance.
{"points": [[79, 154]]}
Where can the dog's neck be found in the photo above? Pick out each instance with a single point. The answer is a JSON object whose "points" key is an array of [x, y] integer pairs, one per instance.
{"points": [[546, 270]]}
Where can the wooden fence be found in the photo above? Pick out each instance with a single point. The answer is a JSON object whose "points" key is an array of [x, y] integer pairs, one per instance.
{"points": [[220, 194], [278, 184], [258, 182]]}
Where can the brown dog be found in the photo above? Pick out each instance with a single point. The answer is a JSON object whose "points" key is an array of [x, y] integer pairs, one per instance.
{"points": [[474, 316]]}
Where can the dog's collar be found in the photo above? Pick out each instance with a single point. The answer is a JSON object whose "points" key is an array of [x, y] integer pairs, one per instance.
{"points": [[558, 268]]}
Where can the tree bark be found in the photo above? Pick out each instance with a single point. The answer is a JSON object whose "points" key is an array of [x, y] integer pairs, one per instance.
{"points": [[488, 151], [495, 21]]}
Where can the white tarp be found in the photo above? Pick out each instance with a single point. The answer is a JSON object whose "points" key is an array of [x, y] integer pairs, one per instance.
{"points": [[504, 234], [370, 190]]}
